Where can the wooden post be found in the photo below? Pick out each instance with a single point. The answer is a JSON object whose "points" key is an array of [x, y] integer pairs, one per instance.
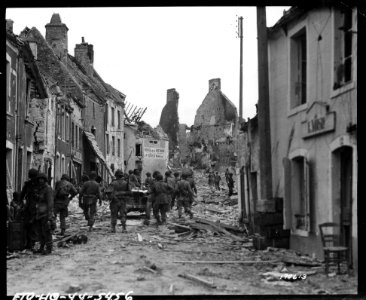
{"points": [[264, 130]]}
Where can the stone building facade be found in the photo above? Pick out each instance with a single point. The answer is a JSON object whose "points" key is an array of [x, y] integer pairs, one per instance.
{"points": [[146, 149], [214, 128], [23, 85], [313, 119]]}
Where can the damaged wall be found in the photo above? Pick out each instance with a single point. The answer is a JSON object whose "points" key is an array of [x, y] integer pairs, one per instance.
{"points": [[214, 128], [169, 119]]}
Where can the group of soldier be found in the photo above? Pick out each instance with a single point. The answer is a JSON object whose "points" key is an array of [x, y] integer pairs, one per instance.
{"points": [[38, 205]]}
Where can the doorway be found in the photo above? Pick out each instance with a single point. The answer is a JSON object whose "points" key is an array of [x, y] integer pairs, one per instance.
{"points": [[342, 195]]}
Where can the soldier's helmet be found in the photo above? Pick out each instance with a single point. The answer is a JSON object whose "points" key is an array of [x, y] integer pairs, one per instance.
{"points": [[93, 175], [85, 178], [65, 176], [42, 176], [32, 173], [118, 173], [159, 177]]}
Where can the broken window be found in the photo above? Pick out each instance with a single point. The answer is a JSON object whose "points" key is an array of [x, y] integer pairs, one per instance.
{"points": [[138, 150], [298, 62], [297, 191], [342, 47]]}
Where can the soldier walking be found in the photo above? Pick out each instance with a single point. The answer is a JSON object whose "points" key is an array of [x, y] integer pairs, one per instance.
{"points": [[28, 194], [171, 182], [160, 192], [217, 180], [211, 180], [44, 222], [64, 192], [230, 184], [89, 194], [119, 191], [175, 193], [185, 196]]}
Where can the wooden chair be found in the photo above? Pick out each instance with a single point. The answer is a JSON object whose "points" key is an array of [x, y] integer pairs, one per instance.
{"points": [[333, 252]]}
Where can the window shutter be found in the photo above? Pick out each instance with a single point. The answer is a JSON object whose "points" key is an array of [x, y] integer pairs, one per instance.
{"points": [[287, 193]]}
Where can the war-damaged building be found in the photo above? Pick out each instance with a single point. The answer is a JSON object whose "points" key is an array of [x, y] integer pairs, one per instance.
{"points": [[24, 84], [212, 136], [313, 126], [145, 148], [83, 101]]}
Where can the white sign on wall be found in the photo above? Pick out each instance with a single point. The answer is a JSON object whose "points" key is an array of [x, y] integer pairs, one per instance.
{"points": [[158, 153]]}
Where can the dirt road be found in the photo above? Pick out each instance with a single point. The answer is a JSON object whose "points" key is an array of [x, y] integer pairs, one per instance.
{"points": [[114, 262]]}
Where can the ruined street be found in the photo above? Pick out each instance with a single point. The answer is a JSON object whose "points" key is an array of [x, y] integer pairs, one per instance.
{"points": [[151, 260]]}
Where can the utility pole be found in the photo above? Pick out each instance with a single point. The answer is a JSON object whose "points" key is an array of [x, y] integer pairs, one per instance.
{"points": [[240, 33], [264, 130], [241, 168]]}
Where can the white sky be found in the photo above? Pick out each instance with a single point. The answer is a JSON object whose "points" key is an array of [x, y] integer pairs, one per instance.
{"points": [[142, 52]]}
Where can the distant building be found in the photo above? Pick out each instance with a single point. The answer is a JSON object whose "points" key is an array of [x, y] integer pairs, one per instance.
{"points": [[146, 149], [214, 128]]}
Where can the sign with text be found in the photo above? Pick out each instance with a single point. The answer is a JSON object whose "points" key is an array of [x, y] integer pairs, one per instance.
{"points": [[318, 120], [156, 153]]}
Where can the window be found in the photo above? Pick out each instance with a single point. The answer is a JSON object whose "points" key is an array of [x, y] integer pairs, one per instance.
{"points": [[119, 119], [112, 113], [27, 99], [138, 150], [298, 64], [80, 137], [72, 135], [67, 127], [119, 147], [342, 47], [107, 142], [76, 137], [113, 145], [8, 87], [297, 190]]}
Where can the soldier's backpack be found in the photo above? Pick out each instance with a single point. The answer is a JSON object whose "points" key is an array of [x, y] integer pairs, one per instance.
{"points": [[62, 190]]}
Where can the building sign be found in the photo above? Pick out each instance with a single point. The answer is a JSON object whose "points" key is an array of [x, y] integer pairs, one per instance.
{"points": [[318, 120], [77, 155], [156, 153]]}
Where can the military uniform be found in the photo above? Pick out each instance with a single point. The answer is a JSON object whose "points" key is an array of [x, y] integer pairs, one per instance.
{"points": [[29, 194], [119, 192], [133, 182], [185, 196], [44, 214], [89, 194], [171, 183], [230, 185], [160, 192], [63, 190]]}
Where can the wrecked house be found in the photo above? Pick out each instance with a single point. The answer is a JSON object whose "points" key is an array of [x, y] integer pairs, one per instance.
{"points": [[24, 85], [212, 137], [84, 103], [145, 148], [169, 121], [313, 123]]}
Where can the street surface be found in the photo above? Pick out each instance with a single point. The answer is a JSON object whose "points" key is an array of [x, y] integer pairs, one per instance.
{"points": [[116, 262]]}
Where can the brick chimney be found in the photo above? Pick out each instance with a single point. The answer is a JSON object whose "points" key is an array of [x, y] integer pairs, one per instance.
{"points": [[56, 36], [84, 54], [9, 25], [172, 95], [214, 84]]}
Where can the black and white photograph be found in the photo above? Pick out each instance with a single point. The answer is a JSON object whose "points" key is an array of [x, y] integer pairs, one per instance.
{"points": [[182, 150]]}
